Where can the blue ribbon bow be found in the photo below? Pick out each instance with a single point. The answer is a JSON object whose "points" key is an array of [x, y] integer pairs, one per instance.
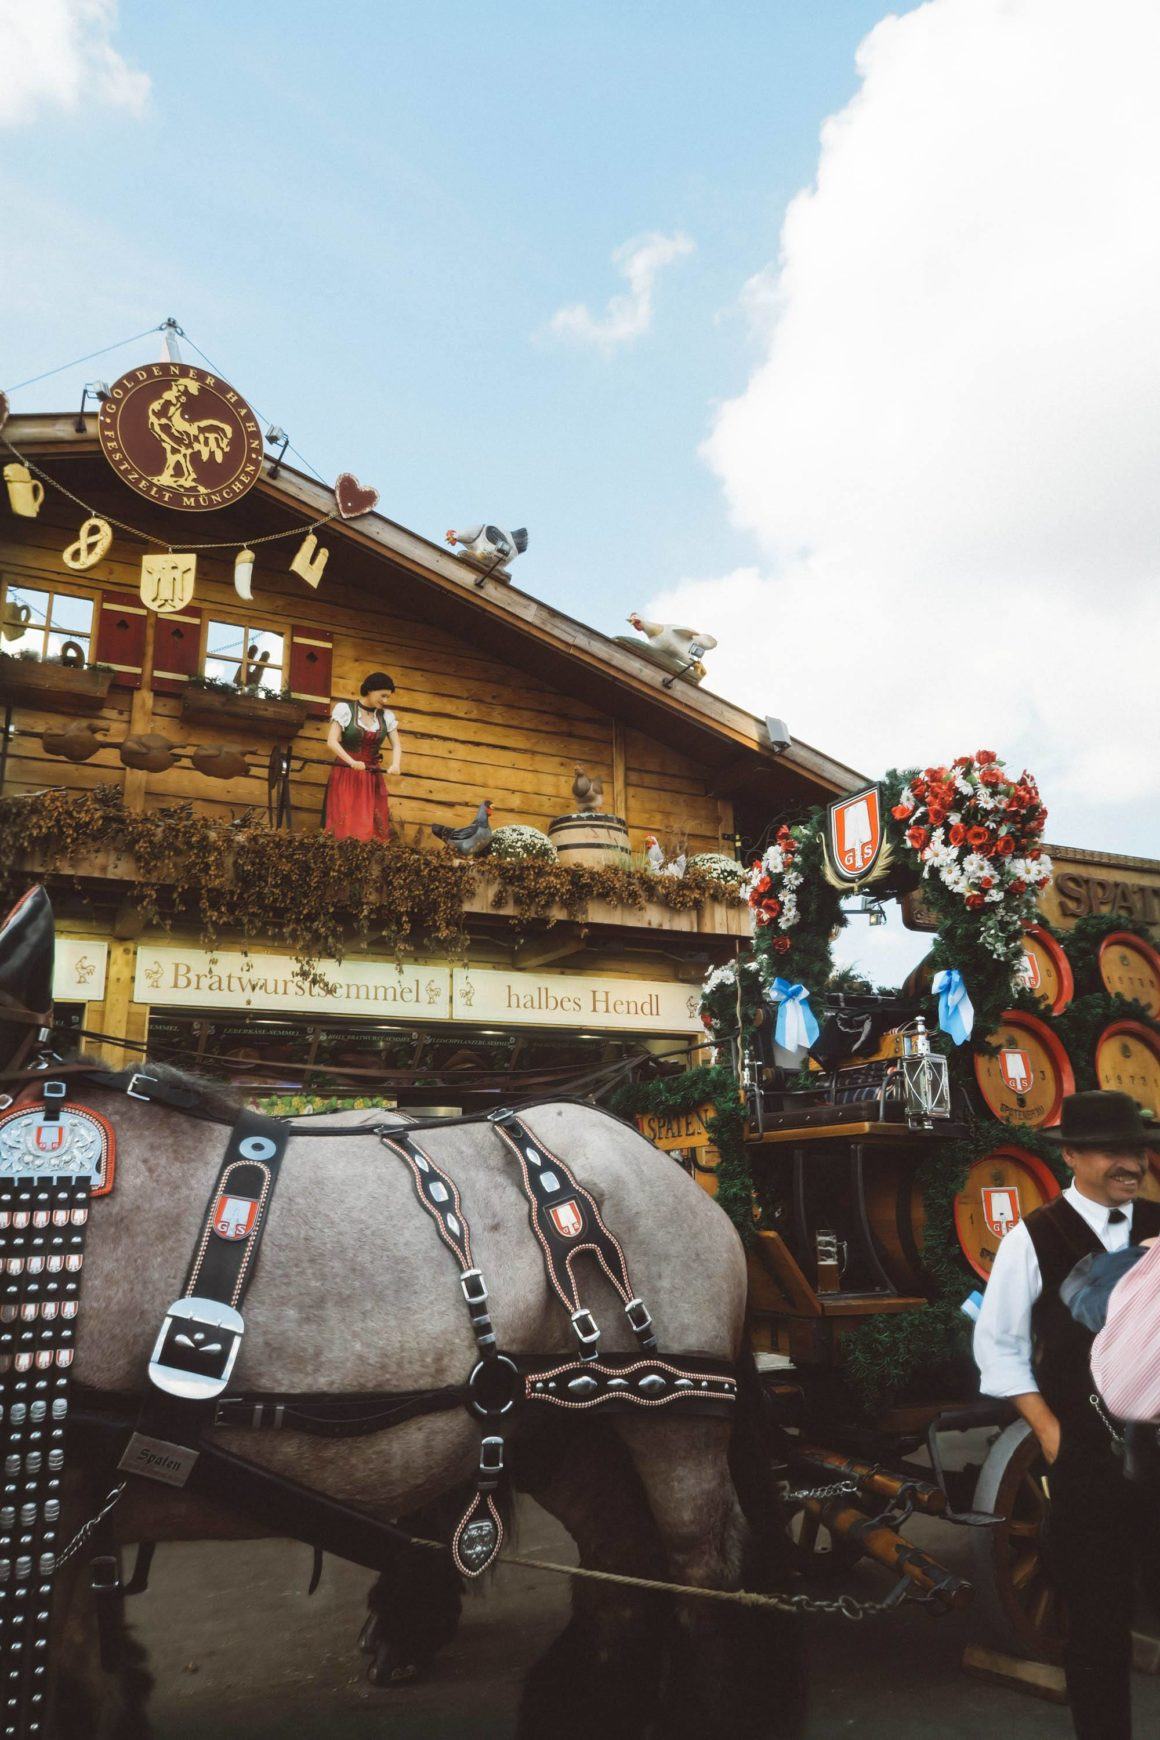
{"points": [[797, 1026], [956, 1012]]}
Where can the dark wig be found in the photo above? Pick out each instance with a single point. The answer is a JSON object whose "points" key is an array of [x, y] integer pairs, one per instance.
{"points": [[377, 680]]}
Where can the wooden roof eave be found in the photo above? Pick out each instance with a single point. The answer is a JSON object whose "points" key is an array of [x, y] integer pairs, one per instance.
{"points": [[604, 662]]}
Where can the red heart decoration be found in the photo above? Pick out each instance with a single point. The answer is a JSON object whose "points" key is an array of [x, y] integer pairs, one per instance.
{"points": [[353, 498]]}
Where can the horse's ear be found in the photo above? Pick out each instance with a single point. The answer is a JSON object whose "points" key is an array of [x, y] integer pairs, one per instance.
{"points": [[26, 954]]}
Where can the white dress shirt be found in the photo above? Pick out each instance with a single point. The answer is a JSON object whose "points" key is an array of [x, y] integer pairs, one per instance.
{"points": [[1003, 1329]]}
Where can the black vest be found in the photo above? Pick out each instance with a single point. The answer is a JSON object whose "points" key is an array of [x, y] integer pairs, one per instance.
{"points": [[1062, 1351]]}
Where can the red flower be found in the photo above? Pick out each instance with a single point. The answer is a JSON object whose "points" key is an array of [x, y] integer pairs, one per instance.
{"points": [[781, 944], [991, 776], [974, 901], [937, 815], [957, 834], [707, 1020], [917, 837], [986, 882], [1034, 854], [1005, 845], [900, 812], [1018, 887], [985, 757], [977, 836], [771, 907], [962, 761]]}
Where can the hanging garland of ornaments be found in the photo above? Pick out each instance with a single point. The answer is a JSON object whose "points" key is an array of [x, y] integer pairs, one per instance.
{"points": [[186, 440]]}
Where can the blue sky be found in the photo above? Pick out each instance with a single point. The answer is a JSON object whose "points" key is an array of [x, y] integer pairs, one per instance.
{"points": [[824, 328], [368, 227]]}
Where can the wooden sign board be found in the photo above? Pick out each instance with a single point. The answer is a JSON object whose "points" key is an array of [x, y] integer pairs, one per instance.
{"points": [[669, 1130]]}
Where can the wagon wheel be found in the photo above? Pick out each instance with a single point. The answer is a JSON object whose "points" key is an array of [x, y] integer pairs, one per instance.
{"points": [[1016, 1598]]}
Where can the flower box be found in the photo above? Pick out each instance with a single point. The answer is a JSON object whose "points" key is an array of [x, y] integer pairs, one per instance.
{"points": [[274, 718], [57, 688]]}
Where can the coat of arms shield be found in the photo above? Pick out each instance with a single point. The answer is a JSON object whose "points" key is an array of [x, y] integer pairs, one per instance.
{"points": [[1015, 1068], [1001, 1208], [167, 581], [854, 835]]}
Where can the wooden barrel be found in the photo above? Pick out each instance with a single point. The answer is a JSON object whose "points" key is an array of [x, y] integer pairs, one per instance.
{"points": [[1046, 970], [1128, 1061], [1024, 1082], [897, 1218], [1130, 967], [1001, 1189], [591, 839]]}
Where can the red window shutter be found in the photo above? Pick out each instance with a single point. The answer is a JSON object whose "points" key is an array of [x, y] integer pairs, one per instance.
{"points": [[311, 654], [120, 637], [176, 651]]}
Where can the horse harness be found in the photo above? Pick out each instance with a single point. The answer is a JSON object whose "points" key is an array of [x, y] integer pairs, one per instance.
{"points": [[57, 1155]]}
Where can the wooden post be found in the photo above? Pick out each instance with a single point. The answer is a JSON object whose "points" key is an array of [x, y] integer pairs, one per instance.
{"points": [[725, 827], [140, 719], [619, 774], [118, 1015]]}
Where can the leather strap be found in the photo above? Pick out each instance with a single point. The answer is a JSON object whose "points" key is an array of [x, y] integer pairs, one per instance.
{"points": [[198, 1344], [567, 1221]]}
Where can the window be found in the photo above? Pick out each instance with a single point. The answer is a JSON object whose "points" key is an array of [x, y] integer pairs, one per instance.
{"points": [[35, 619], [245, 655]]}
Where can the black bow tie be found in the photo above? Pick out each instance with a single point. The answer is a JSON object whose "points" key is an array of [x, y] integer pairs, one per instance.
{"points": [[1117, 1217]]}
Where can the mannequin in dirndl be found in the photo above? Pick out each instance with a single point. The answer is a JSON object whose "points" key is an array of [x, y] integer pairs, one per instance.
{"points": [[356, 805]]}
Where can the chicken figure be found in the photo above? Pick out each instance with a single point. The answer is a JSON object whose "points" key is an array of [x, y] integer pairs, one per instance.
{"points": [[78, 742], [490, 545], [220, 761], [588, 791], [471, 841], [658, 863], [678, 649], [149, 752]]}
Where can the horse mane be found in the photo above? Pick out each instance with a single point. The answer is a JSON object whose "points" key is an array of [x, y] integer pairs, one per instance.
{"points": [[212, 1098]]}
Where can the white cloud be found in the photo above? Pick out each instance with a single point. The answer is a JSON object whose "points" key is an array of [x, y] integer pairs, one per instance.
{"points": [[629, 314], [59, 54], [949, 453]]}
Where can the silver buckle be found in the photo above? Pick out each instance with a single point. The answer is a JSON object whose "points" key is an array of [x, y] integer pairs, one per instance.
{"points": [[207, 1328], [587, 1331], [474, 1287], [139, 1075], [54, 1090]]}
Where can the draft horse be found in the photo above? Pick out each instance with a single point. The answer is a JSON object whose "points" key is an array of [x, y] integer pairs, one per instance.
{"points": [[354, 1310]]}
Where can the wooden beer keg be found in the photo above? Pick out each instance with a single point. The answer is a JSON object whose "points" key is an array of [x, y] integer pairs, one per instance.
{"points": [[1130, 967], [591, 838], [1128, 1061], [896, 1216], [1046, 971], [1001, 1189], [1024, 1082]]}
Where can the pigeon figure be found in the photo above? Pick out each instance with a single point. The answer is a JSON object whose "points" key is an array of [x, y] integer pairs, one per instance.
{"points": [[490, 545], [471, 841], [677, 649], [78, 742], [588, 792]]}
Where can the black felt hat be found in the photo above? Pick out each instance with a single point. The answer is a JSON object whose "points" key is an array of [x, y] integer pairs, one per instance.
{"points": [[1103, 1120]]}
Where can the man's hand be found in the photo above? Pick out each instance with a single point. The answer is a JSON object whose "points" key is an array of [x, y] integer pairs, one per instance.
{"points": [[1042, 1422]]}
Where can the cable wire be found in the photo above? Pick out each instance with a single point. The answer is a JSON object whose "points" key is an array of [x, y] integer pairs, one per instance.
{"points": [[77, 361]]}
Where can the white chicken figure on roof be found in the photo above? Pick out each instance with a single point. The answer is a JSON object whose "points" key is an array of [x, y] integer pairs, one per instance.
{"points": [[677, 649], [491, 545]]}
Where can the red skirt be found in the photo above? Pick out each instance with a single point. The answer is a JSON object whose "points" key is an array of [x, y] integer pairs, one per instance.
{"points": [[356, 805]]}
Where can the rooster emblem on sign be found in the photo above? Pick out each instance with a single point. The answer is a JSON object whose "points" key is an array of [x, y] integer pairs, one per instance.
{"points": [[184, 438]]}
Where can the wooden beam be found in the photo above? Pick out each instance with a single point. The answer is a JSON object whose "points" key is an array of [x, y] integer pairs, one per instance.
{"points": [[619, 771], [556, 946]]}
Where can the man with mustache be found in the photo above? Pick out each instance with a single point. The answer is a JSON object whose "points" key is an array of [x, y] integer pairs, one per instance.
{"points": [[1029, 1348]]}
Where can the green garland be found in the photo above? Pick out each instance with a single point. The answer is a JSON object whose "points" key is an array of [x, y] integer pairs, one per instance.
{"points": [[715, 1086]]}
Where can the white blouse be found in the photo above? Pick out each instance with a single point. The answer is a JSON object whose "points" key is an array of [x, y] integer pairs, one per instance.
{"points": [[345, 715]]}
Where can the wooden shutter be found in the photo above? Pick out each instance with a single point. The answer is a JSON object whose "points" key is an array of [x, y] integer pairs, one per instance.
{"points": [[176, 651], [311, 654], [120, 637]]}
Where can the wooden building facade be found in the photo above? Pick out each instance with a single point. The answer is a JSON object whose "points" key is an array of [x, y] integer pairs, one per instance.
{"points": [[498, 696]]}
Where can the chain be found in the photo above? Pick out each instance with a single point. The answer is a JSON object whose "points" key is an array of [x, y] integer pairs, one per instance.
{"points": [[87, 1530], [1116, 1437], [840, 1489]]}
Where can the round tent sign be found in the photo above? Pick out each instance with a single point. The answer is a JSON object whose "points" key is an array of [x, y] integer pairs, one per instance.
{"points": [[1024, 1080], [1128, 1062], [181, 437], [1130, 967], [1001, 1189]]}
